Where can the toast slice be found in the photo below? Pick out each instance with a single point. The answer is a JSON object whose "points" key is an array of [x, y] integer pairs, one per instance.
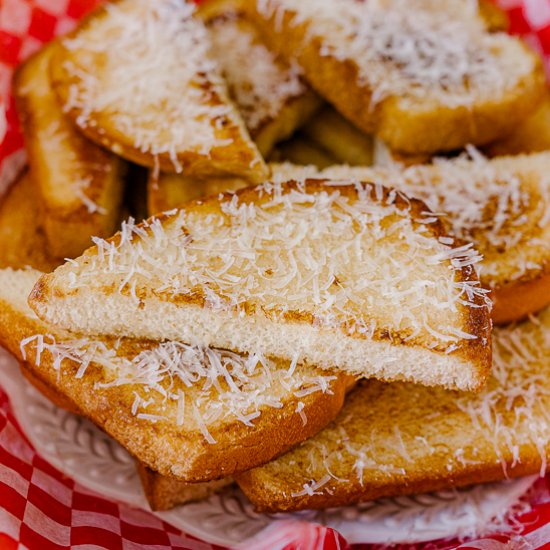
{"points": [[501, 205], [168, 191], [271, 95], [342, 140], [397, 77], [22, 239], [165, 493], [301, 150], [162, 492], [79, 185], [336, 274], [137, 77], [532, 136], [197, 414], [395, 439]]}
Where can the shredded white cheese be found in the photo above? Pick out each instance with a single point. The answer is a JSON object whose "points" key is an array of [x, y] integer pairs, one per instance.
{"points": [[425, 56], [145, 68], [260, 83], [193, 387], [343, 255]]}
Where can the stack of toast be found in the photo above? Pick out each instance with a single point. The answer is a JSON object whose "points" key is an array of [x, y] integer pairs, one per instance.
{"points": [[323, 208]]}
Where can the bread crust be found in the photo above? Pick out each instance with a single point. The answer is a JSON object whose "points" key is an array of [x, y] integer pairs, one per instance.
{"points": [[518, 300], [61, 159], [424, 129], [22, 239], [240, 157], [165, 493]]}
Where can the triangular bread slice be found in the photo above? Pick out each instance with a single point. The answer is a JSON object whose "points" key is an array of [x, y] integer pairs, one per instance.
{"points": [[79, 184], [193, 413], [270, 94], [338, 274], [501, 205], [137, 77], [395, 439], [432, 82]]}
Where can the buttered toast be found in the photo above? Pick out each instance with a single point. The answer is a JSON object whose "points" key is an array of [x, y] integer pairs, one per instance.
{"points": [[22, 239], [501, 205], [197, 414], [342, 140], [79, 185], [138, 78], [394, 439], [169, 191], [271, 95], [162, 492], [531, 136], [336, 274], [398, 76]]}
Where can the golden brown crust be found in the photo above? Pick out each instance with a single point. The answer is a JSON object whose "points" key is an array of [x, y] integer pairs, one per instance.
{"points": [[495, 18], [239, 158], [518, 300], [266, 501], [22, 239], [164, 493], [531, 136], [436, 440], [61, 159], [49, 391], [416, 131]]}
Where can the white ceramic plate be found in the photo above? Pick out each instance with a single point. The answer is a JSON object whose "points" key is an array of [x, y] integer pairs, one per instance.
{"points": [[83, 452]]}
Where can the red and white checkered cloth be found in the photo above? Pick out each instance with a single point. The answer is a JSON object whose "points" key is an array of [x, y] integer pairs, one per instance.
{"points": [[40, 508]]}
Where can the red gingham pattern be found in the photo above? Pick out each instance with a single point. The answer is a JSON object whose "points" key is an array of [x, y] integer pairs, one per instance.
{"points": [[40, 508]]}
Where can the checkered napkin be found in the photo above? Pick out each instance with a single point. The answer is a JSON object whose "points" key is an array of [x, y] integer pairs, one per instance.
{"points": [[40, 508]]}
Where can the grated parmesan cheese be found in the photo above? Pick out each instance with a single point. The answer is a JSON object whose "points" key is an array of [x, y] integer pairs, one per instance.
{"points": [[193, 387], [156, 79], [430, 55], [260, 83], [339, 254]]}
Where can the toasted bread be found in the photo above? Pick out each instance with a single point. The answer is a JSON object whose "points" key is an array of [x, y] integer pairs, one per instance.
{"points": [[22, 239], [270, 94], [164, 493], [494, 17], [342, 140], [168, 191], [302, 150], [531, 136], [395, 439], [501, 205], [396, 76], [79, 185], [300, 271], [197, 414], [137, 77]]}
